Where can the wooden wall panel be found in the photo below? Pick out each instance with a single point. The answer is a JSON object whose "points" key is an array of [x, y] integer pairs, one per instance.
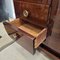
{"points": [[37, 12]]}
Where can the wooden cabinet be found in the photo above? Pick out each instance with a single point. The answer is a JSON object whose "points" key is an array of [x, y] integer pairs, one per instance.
{"points": [[32, 23]]}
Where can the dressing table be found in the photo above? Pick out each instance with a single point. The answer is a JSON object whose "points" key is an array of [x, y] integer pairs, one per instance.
{"points": [[34, 22]]}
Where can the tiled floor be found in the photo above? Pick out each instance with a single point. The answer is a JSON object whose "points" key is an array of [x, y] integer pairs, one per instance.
{"points": [[15, 51], [5, 40]]}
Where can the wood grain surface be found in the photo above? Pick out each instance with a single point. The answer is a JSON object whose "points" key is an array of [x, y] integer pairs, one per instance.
{"points": [[37, 12], [53, 41]]}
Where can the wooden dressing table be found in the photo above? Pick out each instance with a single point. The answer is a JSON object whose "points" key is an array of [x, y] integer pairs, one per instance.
{"points": [[35, 22]]}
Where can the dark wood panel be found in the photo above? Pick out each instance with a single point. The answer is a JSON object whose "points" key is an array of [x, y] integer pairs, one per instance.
{"points": [[48, 53], [52, 11], [53, 41], [37, 1], [27, 43], [37, 12], [54, 7]]}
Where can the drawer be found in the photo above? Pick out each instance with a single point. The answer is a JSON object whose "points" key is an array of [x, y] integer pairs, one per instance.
{"points": [[31, 36], [37, 12]]}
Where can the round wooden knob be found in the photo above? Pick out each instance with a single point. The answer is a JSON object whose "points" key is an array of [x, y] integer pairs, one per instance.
{"points": [[25, 13]]}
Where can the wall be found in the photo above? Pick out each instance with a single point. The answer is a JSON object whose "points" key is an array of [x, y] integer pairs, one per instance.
{"points": [[10, 8]]}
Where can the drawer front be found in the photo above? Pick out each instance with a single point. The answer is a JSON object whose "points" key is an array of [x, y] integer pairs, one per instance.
{"points": [[27, 43], [37, 12], [40, 38]]}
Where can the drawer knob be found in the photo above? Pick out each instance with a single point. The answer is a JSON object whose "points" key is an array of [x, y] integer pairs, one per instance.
{"points": [[25, 13]]}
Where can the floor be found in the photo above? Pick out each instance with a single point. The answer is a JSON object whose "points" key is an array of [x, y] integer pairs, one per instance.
{"points": [[15, 51], [4, 41]]}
